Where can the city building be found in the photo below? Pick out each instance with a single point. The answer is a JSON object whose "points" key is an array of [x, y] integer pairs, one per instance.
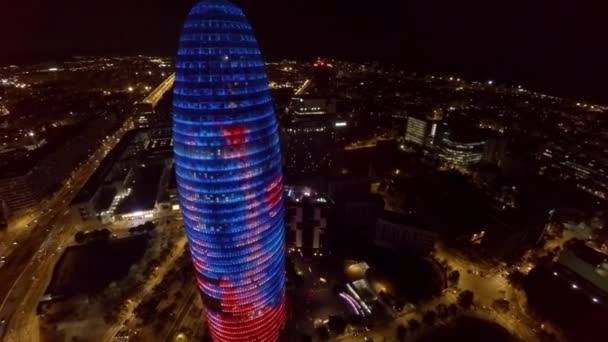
{"points": [[312, 106], [495, 149], [228, 166], [460, 149], [396, 231], [586, 270], [28, 176], [144, 115], [133, 184], [4, 215], [306, 215], [310, 146], [587, 168], [324, 77], [361, 211], [422, 131], [17, 191]]}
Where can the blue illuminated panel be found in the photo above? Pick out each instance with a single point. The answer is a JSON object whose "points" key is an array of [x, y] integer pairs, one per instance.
{"points": [[228, 169]]}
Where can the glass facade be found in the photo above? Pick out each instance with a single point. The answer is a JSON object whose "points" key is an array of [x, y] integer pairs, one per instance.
{"points": [[459, 152], [228, 169]]}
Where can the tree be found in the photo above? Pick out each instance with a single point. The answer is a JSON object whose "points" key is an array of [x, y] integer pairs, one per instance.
{"points": [[399, 305], [429, 317], [105, 234], [337, 324], [453, 278], [453, 309], [148, 226], [323, 333], [516, 279], [401, 332], [413, 324], [80, 237], [306, 338], [466, 299], [442, 311], [501, 305]]}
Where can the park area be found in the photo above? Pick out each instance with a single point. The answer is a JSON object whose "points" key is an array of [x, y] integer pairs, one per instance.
{"points": [[88, 268]]}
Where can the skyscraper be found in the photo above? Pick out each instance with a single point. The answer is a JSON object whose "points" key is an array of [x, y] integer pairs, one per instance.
{"points": [[228, 168], [324, 78]]}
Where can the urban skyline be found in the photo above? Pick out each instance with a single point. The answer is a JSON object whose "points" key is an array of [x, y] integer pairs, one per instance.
{"points": [[284, 172], [550, 47]]}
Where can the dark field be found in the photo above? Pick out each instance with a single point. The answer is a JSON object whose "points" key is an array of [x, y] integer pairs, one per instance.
{"points": [[89, 268]]}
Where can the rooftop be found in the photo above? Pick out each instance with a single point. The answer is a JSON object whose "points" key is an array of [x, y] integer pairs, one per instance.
{"points": [[587, 264], [144, 190]]}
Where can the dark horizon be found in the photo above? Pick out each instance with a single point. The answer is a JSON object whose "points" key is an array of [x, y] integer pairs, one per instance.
{"points": [[552, 47]]}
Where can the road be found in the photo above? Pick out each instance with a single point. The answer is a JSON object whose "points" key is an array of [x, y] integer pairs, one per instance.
{"points": [[490, 283], [18, 226], [303, 88], [157, 94]]}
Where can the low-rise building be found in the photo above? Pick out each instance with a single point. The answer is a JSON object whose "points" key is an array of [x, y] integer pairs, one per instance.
{"points": [[406, 233], [307, 215], [134, 184], [586, 270]]}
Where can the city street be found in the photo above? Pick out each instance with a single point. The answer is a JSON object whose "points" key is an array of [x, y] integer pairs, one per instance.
{"points": [[22, 286]]}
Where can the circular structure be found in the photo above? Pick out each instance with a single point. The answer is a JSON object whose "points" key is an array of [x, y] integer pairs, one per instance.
{"points": [[228, 169]]}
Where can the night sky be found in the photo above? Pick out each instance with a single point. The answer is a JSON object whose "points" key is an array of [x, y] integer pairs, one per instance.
{"points": [[555, 46]]}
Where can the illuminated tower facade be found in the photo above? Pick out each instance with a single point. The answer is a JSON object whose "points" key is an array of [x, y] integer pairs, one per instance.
{"points": [[228, 168]]}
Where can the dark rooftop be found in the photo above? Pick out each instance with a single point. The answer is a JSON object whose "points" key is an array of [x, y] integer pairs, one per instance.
{"points": [[413, 221], [90, 188], [105, 198], [586, 253], [144, 190]]}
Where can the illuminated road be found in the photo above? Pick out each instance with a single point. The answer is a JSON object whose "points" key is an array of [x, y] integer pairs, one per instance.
{"points": [[17, 228], [490, 283], [157, 94], [303, 88]]}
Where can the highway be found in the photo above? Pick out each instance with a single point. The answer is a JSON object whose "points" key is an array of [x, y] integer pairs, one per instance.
{"points": [[303, 88], [28, 269], [157, 94]]}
